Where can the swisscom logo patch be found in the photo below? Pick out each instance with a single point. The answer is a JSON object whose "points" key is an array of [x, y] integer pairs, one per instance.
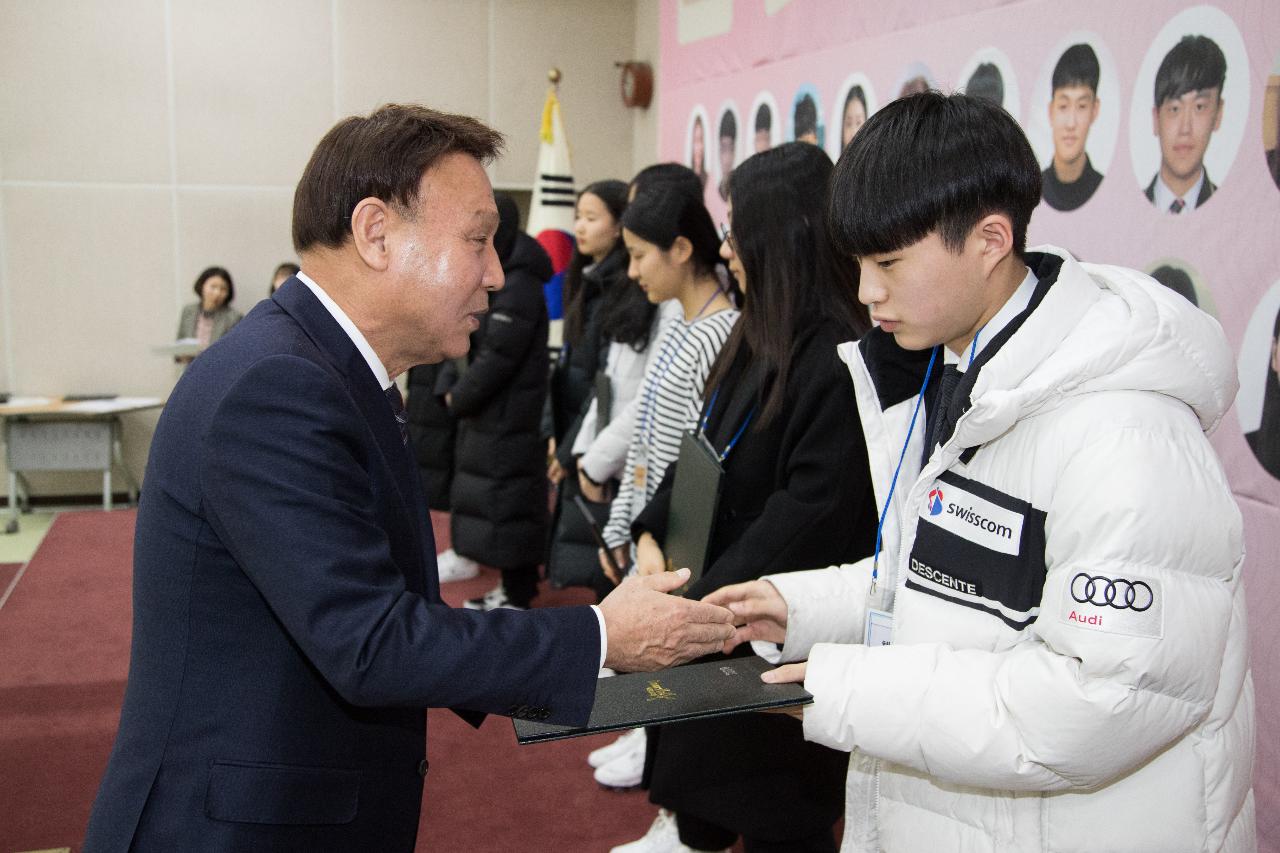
{"points": [[964, 514]]}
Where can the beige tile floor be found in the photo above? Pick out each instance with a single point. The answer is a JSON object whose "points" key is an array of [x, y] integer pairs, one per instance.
{"points": [[18, 547]]}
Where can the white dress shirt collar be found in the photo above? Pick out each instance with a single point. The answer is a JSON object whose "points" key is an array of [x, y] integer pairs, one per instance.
{"points": [[1163, 196], [357, 338], [1015, 305]]}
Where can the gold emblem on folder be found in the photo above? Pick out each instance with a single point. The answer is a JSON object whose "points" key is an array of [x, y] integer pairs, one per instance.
{"points": [[657, 691]]}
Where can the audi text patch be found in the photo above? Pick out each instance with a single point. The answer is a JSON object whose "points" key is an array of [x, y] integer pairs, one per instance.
{"points": [[1115, 605]]}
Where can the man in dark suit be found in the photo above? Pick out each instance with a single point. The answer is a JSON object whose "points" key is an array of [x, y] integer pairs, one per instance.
{"points": [[288, 628], [1187, 112]]}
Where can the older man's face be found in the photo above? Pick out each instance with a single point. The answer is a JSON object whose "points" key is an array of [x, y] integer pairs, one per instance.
{"points": [[443, 263]]}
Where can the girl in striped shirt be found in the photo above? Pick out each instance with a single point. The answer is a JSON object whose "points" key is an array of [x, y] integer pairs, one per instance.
{"points": [[674, 251]]}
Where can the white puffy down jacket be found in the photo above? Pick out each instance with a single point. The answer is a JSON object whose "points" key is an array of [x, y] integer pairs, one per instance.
{"points": [[1069, 664]]}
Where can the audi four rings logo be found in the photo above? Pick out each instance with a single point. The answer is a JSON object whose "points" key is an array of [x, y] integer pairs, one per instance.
{"points": [[1120, 593]]}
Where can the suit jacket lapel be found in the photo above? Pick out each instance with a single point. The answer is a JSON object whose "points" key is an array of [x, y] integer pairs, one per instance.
{"points": [[1206, 190], [296, 299]]}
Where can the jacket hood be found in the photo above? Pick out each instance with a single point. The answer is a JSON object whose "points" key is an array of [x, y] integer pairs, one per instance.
{"points": [[1100, 327], [527, 254]]}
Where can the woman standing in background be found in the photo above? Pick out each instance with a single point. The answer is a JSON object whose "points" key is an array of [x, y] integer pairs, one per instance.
{"points": [[212, 316], [796, 494]]}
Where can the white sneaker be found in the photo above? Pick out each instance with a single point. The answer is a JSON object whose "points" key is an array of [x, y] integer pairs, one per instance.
{"points": [[494, 599], [626, 767], [662, 837], [605, 754], [452, 566]]}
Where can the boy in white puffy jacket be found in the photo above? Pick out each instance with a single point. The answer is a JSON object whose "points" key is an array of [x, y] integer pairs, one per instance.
{"points": [[1049, 651]]}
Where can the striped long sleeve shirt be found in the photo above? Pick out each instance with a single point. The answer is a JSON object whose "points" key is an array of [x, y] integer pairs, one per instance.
{"points": [[670, 400]]}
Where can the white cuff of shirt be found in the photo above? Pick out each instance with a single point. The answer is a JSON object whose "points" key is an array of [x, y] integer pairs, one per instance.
{"points": [[604, 636]]}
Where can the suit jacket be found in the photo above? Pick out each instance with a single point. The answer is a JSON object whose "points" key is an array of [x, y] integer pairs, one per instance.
{"points": [[223, 319], [1206, 189], [288, 629]]}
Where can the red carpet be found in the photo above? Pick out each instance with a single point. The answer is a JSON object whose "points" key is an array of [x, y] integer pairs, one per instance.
{"points": [[8, 571], [64, 643], [64, 640]]}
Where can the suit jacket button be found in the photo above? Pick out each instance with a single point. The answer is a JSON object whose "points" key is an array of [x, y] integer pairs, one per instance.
{"points": [[422, 768]]}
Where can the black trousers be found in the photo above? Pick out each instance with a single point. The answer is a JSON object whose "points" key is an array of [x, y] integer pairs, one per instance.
{"points": [[701, 835], [521, 584]]}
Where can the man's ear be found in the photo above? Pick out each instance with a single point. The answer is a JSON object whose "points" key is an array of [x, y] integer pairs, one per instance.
{"points": [[1155, 122], [995, 233], [370, 222], [681, 250], [1217, 122], [1093, 113]]}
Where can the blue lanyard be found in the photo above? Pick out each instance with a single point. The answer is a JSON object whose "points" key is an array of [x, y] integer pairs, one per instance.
{"points": [[661, 369], [893, 484], [737, 435]]}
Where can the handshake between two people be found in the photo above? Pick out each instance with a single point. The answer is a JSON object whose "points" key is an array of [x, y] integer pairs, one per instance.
{"points": [[650, 629]]}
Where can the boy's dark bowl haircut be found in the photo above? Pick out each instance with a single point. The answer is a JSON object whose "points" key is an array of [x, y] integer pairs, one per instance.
{"points": [[932, 162]]}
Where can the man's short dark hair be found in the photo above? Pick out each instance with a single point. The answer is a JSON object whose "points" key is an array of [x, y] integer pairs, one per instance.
{"points": [[1078, 66], [806, 116], [382, 155], [728, 125], [932, 162], [986, 82], [1194, 63], [764, 118]]}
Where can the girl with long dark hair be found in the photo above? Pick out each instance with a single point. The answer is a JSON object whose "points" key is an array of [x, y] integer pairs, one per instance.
{"points": [[674, 255], [607, 328], [796, 494]]}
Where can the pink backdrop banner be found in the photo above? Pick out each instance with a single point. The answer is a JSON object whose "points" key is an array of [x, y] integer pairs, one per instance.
{"points": [[773, 52]]}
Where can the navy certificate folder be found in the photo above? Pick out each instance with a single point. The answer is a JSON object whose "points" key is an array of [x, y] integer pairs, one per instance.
{"points": [[709, 689]]}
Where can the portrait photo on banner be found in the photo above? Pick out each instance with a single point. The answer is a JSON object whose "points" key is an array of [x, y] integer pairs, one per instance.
{"points": [[1188, 110], [695, 143], [1183, 279], [854, 103], [1258, 403], [988, 74], [915, 77], [728, 146], [1271, 122], [766, 123], [1073, 119], [806, 116]]}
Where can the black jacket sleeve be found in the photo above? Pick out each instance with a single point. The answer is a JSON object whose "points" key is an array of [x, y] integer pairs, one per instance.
{"points": [[819, 507]]}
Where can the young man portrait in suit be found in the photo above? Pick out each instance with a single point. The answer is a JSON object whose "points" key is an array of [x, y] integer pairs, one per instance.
{"points": [[1188, 109], [288, 628], [1070, 180]]}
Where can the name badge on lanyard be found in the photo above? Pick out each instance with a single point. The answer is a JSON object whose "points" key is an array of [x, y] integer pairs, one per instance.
{"points": [[879, 631]]}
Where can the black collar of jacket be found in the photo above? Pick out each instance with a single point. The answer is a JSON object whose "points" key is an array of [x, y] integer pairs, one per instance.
{"points": [[612, 265], [897, 373]]}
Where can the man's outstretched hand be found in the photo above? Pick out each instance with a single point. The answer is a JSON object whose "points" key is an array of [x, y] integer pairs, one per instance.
{"points": [[758, 608], [650, 629]]}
